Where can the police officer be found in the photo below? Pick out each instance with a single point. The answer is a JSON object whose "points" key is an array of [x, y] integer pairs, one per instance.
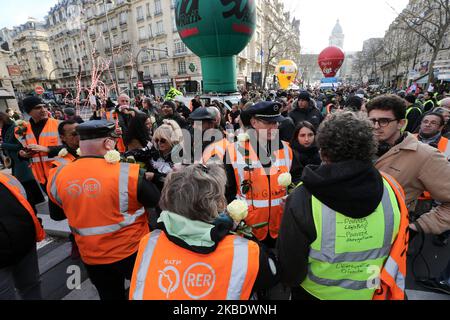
{"points": [[105, 204], [203, 132], [253, 168]]}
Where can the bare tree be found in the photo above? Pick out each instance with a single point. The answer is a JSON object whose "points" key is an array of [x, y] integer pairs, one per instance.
{"points": [[429, 19], [278, 43]]}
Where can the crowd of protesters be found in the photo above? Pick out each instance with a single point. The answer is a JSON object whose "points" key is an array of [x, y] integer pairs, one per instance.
{"points": [[332, 142]]}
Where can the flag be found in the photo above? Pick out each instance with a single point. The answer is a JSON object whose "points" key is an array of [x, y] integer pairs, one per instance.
{"points": [[172, 93]]}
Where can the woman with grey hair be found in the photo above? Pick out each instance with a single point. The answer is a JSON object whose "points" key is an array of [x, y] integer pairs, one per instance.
{"points": [[192, 255], [342, 218]]}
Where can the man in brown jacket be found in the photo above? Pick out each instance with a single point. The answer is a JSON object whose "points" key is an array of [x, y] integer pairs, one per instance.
{"points": [[417, 167]]}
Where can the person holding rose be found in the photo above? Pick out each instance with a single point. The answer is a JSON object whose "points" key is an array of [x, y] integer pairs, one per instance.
{"points": [[253, 165], [192, 254], [105, 202], [344, 229]]}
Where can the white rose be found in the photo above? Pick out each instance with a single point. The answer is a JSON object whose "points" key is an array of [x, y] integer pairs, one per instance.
{"points": [[242, 137], [112, 156], [131, 158], [285, 179], [79, 152], [152, 119], [63, 152], [238, 210]]}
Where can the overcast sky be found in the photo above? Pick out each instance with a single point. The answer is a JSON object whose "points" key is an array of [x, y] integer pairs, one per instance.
{"points": [[360, 19]]}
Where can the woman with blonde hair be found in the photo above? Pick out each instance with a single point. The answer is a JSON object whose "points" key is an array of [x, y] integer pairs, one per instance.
{"points": [[167, 150], [192, 255]]}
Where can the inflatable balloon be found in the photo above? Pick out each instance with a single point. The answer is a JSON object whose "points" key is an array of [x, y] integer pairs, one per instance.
{"points": [[330, 61], [286, 72], [216, 31]]}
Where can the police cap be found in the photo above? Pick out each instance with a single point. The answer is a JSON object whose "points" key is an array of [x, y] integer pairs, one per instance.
{"points": [[201, 114], [266, 110], [95, 129]]}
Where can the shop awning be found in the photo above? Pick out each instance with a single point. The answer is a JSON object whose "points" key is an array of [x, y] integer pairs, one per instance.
{"points": [[5, 94]]}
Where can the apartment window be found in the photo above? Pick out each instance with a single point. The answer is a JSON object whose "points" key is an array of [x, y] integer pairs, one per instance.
{"points": [[146, 71], [180, 47], [115, 40], [164, 70], [141, 33], [182, 67], [147, 6], [162, 53], [158, 7], [144, 56], [123, 18], [104, 27], [159, 28], [174, 23], [174, 3], [150, 33], [139, 13], [121, 75], [124, 36]]}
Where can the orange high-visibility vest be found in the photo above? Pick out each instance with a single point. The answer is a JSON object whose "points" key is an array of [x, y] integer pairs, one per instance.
{"points": [[60, 161], [120, 144], [16, 188], [215, 150], [166, 271], [49, 137], [393, 273], [265, 195], [444, 147], [100, 202]]}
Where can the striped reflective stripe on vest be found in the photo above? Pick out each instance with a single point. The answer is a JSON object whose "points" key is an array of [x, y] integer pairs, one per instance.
{"points": [[53, 189], [128, 219], [261, 203], [15, 183], [287, 156], [44, 135], [145, 264], [41, 159], [328, 254], [392, 268], [344, 283], [446, 150], [239, 267]]}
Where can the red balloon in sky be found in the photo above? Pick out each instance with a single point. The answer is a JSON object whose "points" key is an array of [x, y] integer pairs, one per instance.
{"points": [[330, 61]]}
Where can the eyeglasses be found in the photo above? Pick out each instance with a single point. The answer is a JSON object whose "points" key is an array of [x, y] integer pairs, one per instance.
{"points": [[160, 140], [382, 122]]}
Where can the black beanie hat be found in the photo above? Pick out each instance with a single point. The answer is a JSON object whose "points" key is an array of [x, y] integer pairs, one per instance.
{"points": [[30, 102], [410, 98], [170, 104]]}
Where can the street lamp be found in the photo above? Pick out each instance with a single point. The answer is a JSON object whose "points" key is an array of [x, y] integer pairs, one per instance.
{"points": [[148, 50], [110, 44]]}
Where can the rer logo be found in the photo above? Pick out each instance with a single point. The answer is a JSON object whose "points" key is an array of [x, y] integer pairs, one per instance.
{"points": [[92, 187], [199, 280]]}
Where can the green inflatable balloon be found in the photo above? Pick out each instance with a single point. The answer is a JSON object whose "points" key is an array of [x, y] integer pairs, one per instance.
{"points": [[216, 31]]}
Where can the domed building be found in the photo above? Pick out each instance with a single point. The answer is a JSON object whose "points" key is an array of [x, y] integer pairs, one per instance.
{"points": [[337, 36]]}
